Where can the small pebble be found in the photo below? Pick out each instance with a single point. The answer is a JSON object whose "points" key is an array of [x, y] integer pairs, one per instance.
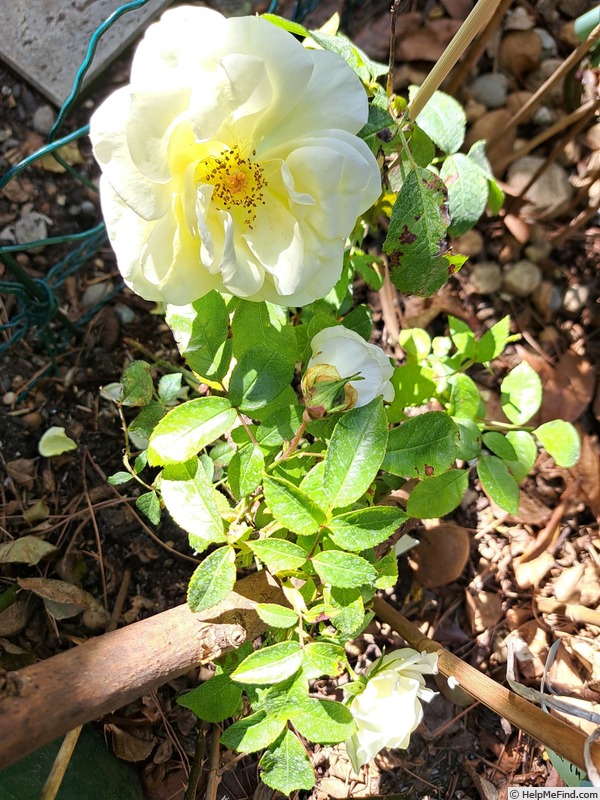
{"points": [[535, 79], [96, 293], [125, 313], [31, 228], [43, 119], [9, 398], [576, 298], [522, 278], [549, 46], [518, 20], [74, 210], [486, 277], [33, 420], [469, 244], [549, 191], [490, 90], [88, 208]]}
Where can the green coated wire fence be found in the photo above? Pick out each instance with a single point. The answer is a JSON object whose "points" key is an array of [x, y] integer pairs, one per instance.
{"points": [[35, 302]]}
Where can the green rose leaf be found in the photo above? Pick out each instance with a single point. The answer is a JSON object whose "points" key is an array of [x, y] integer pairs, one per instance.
{"points": [[169, 387], [423, 446], [245, 470], [323, 658], [560, 440], [521, 394], [367, 527], [498, 483], [526, 452], [191, 500], [443, 120], [467, 192], [462, 337], [214, 700], [355, 453], [493, 341], [387, 571], [137, 384], [438, 496], [469, 445], [277, 616], [414, 385], [285, 766], [141, 428], [343, 569], [499, 445], [260, 376], [270, 664], [282, 699], [252, 733], [416, 235], [278, 554], [263, 324], [212, 580], [291, 507], [201, 331], [188, 428], [464, 397], [324, 721], [149, 504]]}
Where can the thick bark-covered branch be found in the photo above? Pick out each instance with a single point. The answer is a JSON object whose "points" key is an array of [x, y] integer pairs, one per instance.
{"points": [[44, 701]]}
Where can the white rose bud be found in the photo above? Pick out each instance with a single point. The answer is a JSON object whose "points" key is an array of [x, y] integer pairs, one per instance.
{"points": [[230, 162], [389, 709], [341, 358]]}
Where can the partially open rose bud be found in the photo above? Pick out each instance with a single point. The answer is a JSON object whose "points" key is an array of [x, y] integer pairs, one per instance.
{"points": [[344, 372]]}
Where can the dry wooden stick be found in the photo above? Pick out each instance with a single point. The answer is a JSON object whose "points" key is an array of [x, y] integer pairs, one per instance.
{"points": [[47, 699], [552, 732], [61, 762]]}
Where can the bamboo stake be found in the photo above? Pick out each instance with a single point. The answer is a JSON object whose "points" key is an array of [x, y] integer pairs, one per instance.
{"points": [[44, 701], [479, 16], [552, 732]]}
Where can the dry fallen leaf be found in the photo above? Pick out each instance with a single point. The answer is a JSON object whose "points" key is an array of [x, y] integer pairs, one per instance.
{"points": [[62, 600], [587, 470], [484, 610], [128, 747], [26, 550], [22, 471]]}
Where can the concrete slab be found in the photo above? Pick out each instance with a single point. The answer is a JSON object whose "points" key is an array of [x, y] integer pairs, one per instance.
{"points": [[45, 41]]}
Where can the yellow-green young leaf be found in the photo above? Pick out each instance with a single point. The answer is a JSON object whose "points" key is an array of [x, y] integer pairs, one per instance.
{"points": [[292, 508], [285, 766], [214, 700], [269, 664], [414, 385], [188, 428], [436, 497], [324, 721], [464, 397], [521, 394], [213, 579], [55, 442], [525, 449], [345, 570], [423, 446], [493, 341], [191, 500], [498, 483], [355, 453], [278, 554], [366, 527], [252, 733], [560, 440], [277, 616], [323, 658], [416, 343]]}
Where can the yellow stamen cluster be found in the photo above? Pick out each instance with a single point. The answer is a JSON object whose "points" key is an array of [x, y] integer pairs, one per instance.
{"points": [[238, 182]]}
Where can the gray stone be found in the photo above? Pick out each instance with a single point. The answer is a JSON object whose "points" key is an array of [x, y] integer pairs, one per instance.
{"points": [[522, 278], [486, 277], [575, 298], [549, 46], [490, 89], [551, 190], [43, 119]]}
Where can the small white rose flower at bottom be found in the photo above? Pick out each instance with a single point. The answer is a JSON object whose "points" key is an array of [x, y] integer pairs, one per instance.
{"points": [[389, 709], [338, 352]]}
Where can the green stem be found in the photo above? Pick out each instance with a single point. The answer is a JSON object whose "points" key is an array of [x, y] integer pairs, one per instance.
{"points": [[491, 425]]}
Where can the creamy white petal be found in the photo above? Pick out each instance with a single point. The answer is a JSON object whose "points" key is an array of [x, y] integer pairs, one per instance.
{"points": [[242, 275], [107, 132], [127, 232]]}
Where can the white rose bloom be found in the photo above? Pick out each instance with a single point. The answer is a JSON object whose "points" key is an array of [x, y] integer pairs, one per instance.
{"points": [[389, 709], [230, 162], [349, 355]]}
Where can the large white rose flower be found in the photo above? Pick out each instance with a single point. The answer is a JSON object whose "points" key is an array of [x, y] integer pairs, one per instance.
{"points": [[389, 709], [338, 352], [230, 162]]}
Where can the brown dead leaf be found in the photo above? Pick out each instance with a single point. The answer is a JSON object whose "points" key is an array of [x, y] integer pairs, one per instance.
{"points": [[26, 550], [587, 652], [531, 573], [69, 153], [587, 470], [15, 617], [564, 672], [36, 512], [537, 643], [520, 52], [22, 471], [458, 9], [62, 600], [128, 747], [566, 586], [19, 191], [484, 609]]}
